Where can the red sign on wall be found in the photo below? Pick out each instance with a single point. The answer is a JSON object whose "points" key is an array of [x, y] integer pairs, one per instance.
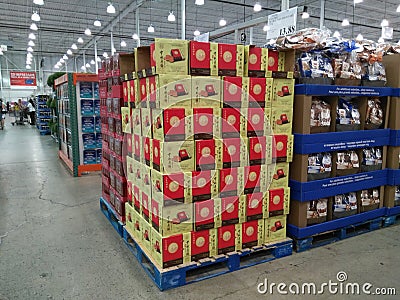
{"points": [[23, 79]]}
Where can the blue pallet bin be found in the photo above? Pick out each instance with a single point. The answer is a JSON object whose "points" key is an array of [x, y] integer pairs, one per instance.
{"points": [[392, 216], [393, 177], [111, 215], [334, 90], [207, 268], [394, 138]]}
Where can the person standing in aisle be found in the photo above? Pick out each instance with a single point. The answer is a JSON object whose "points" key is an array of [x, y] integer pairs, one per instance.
{"points": [[32, 112], [8, 107], [2, 114]]}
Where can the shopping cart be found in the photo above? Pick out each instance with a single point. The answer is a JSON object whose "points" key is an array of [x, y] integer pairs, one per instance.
{"points": [[20, 116]]}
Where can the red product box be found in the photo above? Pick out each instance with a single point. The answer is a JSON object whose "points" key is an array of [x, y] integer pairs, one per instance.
{"points": [[170, 124], [257, 150], [230, 182], [255, 121], [116, 89], [136, 197], [204, 185], [103, 92], [145, 206], [232, 92], [119, 167], [279, 148], [168, 189], [273, 60], [231, 123], [203, 123], [112, 161], [226, 239], [118, 126], [146, 119], [276, 202], [119, 206], [129, 144], [120, 185], [205, 155], [254, 206], [167, 251], [147, 145], [129, 190], [152, 92], [227, 59], [111, 124], [132, 91], [204, 212], [200, 244], [125, 91], [230, 210], [257, 91], [252, 179], [112, 196], [118, 142], [231, 153], [250, 234], [137, 147], [256, 61], [200, 58], [110, 105], [112, 178], [143, 92]]}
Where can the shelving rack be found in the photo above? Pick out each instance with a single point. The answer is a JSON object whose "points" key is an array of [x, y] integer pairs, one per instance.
{"points": [[43, 114], [69, 89]]}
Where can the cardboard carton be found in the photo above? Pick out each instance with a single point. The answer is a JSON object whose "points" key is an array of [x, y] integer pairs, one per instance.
{"points": [[232, 123], [282, 148], [146, 231], [257, 150], [204, 185], [276, 202], [282, 92], [136, 198], [256, 91], [275, 229], [254, 122], [226, 239], [206, 123], [206, 91], [278, 175], [133, 223], [281, 64], [229, 208], [145, 207], [172, 157], [231, 182], [254, 206], [392, 196], [170, 56], [203, 58], [143, 61], [167, 251], [205, 155], [231, 153], [303, 214], [137, 122], [234, 92], [255, 179], [147, 144], [255, 61], [123, 63], [393, 158], [205, 215], [230, 60], [172, 124], [200, 244], [172, 91], [142, 92], [370, 199], [171, 189], [282, 120], [249, 234]]}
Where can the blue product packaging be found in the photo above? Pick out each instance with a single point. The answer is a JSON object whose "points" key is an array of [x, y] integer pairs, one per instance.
{"points": [[99, 140], [89, 157], [87, 107], [86, 90], [96, 94], [89, 141], [98, 155], [98, 123], [97, 107], [87, 124]]}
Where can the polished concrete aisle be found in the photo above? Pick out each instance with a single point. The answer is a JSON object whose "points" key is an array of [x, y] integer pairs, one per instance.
{"points": [[56, 244]]}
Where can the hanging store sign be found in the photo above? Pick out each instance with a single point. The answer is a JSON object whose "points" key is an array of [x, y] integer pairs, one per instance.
{"points": [[282, 23], [22, 79]]}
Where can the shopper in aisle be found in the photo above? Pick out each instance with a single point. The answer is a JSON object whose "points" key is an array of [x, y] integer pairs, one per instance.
{"points": [[2, 113], [8, 107], [32, 112]]}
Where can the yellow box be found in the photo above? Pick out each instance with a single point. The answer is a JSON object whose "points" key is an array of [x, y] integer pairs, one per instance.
{"points": [[136, 172], [289, 157], [146, 180], [283, 92], [146, 231], [167, 251], [170, 56], [133, 220], [129, 168], [249, 234], [282, 120], [136, 121], [173, 157], [242, 208], [269, 93], [146, 118], [278, 175], [254, 122], [231, 153], [173, 90], [275, 229], [206, 91], [125, 114]]}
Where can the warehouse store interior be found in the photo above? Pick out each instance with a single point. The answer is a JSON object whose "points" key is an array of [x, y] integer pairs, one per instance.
{"points": [[258, 155]]}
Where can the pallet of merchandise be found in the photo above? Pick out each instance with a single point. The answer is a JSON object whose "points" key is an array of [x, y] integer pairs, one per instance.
{"points": [[206, 268], [332, 231], [111, 215]]}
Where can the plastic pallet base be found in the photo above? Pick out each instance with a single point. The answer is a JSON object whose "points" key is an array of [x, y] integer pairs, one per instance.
{"points": [[329, 237], [44, 132], [207, 268], [110, 214]]}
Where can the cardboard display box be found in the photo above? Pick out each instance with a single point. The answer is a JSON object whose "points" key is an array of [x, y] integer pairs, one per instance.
{"points": [[167, 251], [256, 61], [282, 120], [206, 91], [172, 157], [394, 113], [254, 122], [170, 56], [230, 210], [133, 222], [231, 182], [206, 123], [142, 59], [204, 185], [230, 60], [231, 153], [136, 120], [275, 229], [171, 189], [145, 209], [303, 214], [282, 92], [200, 244], [234, 92], [125, 113], [282, 148], [253, 204], [276, 202], [203, 58], [249, 234], [278, 175], [255, 179], [392, 65], [281, 64], [393, 158], [370, 199], [205, 156], [172, 124], [232, 123], [146, 231], [226, 239], [392, 196], [123, 63], [206, 215], [345, 205], [171, 91], [143, 116], [136, 198]]}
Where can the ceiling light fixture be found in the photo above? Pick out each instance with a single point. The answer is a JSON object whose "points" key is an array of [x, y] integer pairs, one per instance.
{"points": [[32, 36], [336, 34], [29, 55], [98, 59], [123, 43], [31, 43], [150, 29], [28, 67], [29, 49], [33, 27], [80, 40], [87, 65], [56, 67], [398, 9], [345, 22], [196, 32], [92, 62], [199, 2], [83, 68], [384, 23], [135, 36], [28, 61], [69, 52], [257, 6], [359, 37], [105, 55], [38, 2], [222, 22], [74, 47], [110, 8], [358, 1], [62, 60], [97, 23], [171, 17], [305, 14], [266, 27], [35, 17], [65, 57], [88, 32]]}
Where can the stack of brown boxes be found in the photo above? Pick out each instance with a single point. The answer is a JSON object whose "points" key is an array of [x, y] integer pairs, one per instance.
{"points": [[209, 151]]}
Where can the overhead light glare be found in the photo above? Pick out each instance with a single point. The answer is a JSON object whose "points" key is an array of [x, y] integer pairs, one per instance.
{"points": [[266, 27], [88, 32], [65, 57], [123, 44], [110, 8], [33, 27], [359, 37], [199, 2], [80, 40], [35, 17], [28, 67], [92, 62], [32, 36], [345, 22], [150, 29], [196, 32], [384, 23], [38, 2], [31, 43], [135, 36], [97, 23], [171, 17], [257, 6], [69, 52], [30, 49], [222, 22]]}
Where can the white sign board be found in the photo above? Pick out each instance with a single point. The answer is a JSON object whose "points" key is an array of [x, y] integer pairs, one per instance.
{"points": [[202, 37], [282, 23], [387, 33], [3, 47]]}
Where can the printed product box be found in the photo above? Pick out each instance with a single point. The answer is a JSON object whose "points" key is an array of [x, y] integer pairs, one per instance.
{"points": [[282, 119], [171, 189], [119, 167], [125, 114], [146, 235], [392, 196], [255, 61], [172, 157], [134, 99], [206, 91], [129, 191], [99, 140], [200, 244], [170, 56], [273, 61], [255, 179], [136, 120], [313, 166], [282, 148], [281, 63], [173, 219], [206, 123], [278, 176], [231, 153], [87, 107], [146, 180], [89, 157], [123, 63], [256, 91], [303, 214], [172, 124], [226, 239], [96, 107], [129, 168], [254, 123], [203, 58], [232, 121], [204, 185], [231, 182], [257, 150], [136, 198], [393, 158], [254, 206], [87, 124], [229, 208], [205, 215], [89, 140], [275, 229], [118, 126], [137, 173], [234, 92], [151, 86], [133, 223], [205, 155], [125, 91], [146, 118], [230, 60], [120, 205], [142, 92], [172, 91], [147, 144], [282, 92], [249, 234], [129, 144], [117, 104], [145, 206], [370, 199], [167, 251], [276, 202]]}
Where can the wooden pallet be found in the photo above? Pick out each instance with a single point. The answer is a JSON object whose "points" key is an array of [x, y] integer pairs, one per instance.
{"points": [[206, 268]]}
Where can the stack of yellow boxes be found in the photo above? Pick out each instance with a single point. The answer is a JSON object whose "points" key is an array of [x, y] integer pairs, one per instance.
{"points": [[210, 150]]}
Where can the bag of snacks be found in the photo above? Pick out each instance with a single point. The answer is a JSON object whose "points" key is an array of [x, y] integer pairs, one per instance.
{"points": [[345, 205], [369, 199], [347, 163], [372, 159], [319, 166], [320, 120], [317, 211], [348, 116], [374, 116]]}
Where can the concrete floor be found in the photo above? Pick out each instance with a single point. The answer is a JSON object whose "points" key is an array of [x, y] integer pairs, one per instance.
{"points": [[56, 244]]}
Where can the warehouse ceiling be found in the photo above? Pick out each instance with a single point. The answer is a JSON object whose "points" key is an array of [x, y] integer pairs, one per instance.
{"points": [[63, 22]]}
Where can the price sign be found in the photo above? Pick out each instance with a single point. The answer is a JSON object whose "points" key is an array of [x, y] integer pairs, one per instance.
{"points": [[202, 37], [282, 23]]}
